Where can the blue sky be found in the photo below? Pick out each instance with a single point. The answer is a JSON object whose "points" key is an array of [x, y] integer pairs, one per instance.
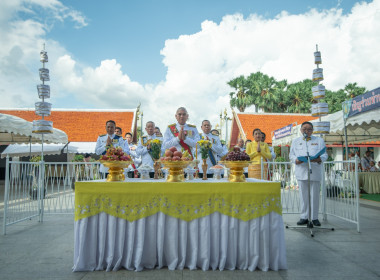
{"points": [[167, 54], [134, 32]]}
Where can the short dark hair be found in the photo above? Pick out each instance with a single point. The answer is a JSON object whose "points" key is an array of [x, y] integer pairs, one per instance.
{"points": [[157, 128], [121, 131], [309, 123], [111, 121], [87, 155], [128, 133], [256, 129], [206, 121]]}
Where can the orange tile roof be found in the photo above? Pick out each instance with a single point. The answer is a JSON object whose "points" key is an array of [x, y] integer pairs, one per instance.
{"points": [[80, 125], [268, 122]]}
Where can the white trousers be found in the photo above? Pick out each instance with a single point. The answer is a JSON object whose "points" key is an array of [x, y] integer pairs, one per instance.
{"points": [[315, 187]]}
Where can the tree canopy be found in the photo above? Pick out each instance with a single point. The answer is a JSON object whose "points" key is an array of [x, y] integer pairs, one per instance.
{"points": [[274, 96]]}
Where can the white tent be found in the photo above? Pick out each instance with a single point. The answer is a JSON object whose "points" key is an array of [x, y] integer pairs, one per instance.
{"points": [[364, 127], [23, 150], [17, 130]]}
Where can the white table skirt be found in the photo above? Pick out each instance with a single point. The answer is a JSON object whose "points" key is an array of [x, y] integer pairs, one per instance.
{"points": [[104, 242]]}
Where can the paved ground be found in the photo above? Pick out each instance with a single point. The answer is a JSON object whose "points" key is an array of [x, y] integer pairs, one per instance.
{"points": [[33, 250]]}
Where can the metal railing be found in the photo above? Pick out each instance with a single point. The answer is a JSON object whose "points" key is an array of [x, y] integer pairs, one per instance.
{"points": [[339, 194], [35, 189]]}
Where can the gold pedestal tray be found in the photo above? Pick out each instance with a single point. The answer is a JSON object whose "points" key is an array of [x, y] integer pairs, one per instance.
{"points": [[115, 169], [236, 170], [175, 170]]}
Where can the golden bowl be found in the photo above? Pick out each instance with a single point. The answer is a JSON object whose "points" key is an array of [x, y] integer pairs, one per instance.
{"points": [[176, 173], [236, 169], [115, 169]]}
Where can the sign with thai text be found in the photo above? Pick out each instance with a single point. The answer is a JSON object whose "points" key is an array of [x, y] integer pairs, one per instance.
{"points": [[283, 132], [365, 102]]}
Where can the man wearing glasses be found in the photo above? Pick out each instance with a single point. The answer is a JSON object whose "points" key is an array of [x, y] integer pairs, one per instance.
{"points": [[317, 151]]}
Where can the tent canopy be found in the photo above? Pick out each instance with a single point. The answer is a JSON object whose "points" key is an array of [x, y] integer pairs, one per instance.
{"points": [[24, 150], [17, 130], [361, 128]]}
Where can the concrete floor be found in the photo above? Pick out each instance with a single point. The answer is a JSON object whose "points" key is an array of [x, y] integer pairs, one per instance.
{"points": [[33, 250]]}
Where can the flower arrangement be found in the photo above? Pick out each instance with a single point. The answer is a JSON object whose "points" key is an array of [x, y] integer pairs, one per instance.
{"points": [[115, 154], [204, 146], [155, 148]]}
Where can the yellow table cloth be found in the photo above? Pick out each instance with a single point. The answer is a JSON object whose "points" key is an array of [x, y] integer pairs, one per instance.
{"points": [[369, 181], [186, 201]]}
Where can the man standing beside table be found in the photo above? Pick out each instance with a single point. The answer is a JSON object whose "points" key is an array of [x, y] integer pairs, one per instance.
{"points": [[143, 149], [181, 135], [216, 148], [298, 155], [108, 140]]}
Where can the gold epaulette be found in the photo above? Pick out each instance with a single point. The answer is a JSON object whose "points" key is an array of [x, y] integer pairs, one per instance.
{"points": [[171, 124], [191, 125], [102, 135]]}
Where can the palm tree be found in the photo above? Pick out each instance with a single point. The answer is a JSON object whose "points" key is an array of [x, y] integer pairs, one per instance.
{"points": [[334, 99], [299, 96], [239, 98], [352, 90]]}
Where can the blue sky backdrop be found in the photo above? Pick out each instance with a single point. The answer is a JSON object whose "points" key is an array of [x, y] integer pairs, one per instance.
{"points": [[166, 54]]}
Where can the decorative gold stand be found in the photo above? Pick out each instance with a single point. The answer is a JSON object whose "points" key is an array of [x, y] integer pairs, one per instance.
{"points": [[175, 170], [236, 170], [115, 170], [204, 169]]}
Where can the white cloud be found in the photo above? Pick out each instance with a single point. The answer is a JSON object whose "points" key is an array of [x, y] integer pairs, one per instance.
{"points": [[199, 65]]}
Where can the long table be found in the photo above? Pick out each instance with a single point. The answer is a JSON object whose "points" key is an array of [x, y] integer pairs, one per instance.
{"points": [[369, 181], [150, 224]]}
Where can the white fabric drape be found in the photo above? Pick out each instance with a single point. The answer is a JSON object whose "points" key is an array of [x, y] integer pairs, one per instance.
{"points": [[104, 242]]}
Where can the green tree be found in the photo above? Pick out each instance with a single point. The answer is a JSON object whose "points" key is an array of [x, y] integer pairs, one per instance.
{"points": [[298, 97], [266, 92], [334, 99], [239, 98], [352, 90]]}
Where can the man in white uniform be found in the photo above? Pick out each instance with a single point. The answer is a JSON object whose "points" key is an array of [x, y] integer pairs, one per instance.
{"points": [[181, 135], [143, 148], [132, 150], [263, 136], [366, 160], [315, 146], [216, 148], [108, 140]]}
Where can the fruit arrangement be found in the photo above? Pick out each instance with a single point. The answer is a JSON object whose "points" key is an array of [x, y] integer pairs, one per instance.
{"points": [[172, 154], [115, 154], [237, 155]]}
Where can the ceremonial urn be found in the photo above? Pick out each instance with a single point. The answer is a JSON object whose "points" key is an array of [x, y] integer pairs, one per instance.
{"points": [[204, 169], [115, 170], [236, 170], [176, 173]]}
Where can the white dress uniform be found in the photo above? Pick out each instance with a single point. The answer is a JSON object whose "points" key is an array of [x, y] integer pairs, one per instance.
{"points": [[133, 153], [365, 161], [142, 150], [298, 148], [192, 137], [216, 149], [101, 148]]}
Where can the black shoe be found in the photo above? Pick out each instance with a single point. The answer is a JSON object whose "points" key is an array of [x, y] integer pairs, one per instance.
{"points": [[316, 223], [302, 222]]}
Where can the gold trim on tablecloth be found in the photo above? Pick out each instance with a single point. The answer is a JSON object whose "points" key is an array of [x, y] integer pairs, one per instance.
{"points": [[186, 201]]}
